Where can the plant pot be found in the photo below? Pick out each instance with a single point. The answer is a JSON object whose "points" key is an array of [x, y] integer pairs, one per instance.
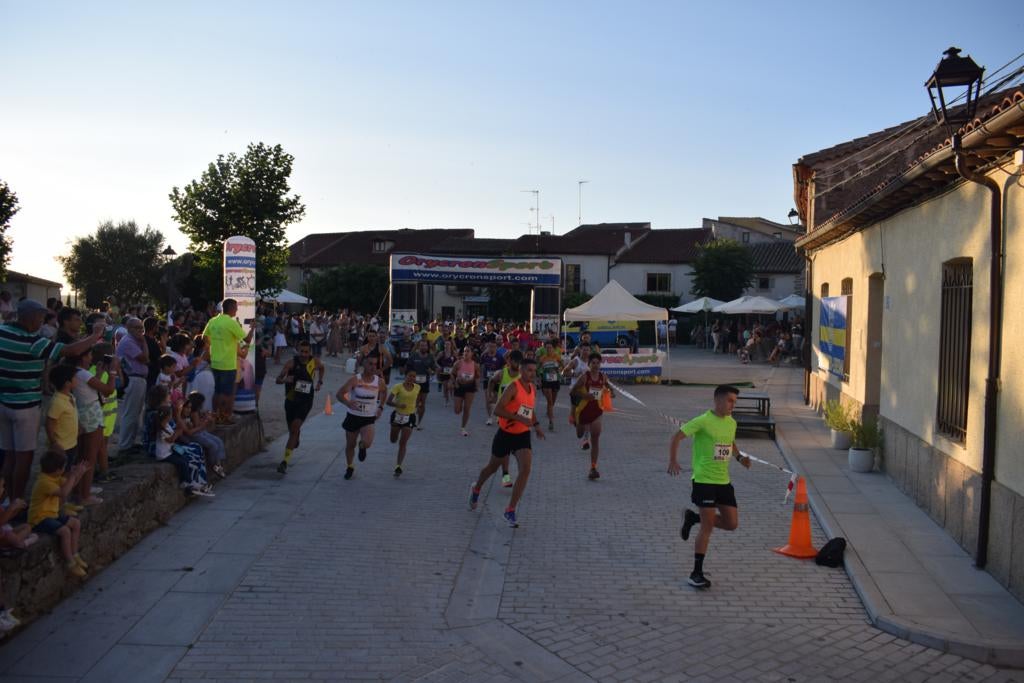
{"points": [[861, 459], [841, 440]]}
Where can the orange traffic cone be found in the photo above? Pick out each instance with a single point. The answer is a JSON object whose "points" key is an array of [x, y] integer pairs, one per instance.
{"points": [[606, 401], [328, 408], [800, 529]]}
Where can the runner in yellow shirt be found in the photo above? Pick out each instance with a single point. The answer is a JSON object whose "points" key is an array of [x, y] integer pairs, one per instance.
{"points": [[402, 398]]}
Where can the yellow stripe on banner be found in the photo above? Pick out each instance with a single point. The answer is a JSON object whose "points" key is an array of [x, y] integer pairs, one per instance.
{"points": [[832, 335]]}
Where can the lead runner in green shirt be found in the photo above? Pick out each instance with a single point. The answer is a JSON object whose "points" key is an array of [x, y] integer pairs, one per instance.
{"points": [[714, 445]]}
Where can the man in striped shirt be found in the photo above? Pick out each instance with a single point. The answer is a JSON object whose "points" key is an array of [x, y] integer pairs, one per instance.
{"points": [[23, 356]]}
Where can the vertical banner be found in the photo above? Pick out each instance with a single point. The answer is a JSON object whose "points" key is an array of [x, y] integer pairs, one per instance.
{"points": [[240, 285], [832, 333]]}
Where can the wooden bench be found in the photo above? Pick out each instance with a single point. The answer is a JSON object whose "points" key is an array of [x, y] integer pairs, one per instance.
{"points": [[749, 421]]}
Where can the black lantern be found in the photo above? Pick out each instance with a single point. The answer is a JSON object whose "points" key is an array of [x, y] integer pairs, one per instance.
{"points": [[793, 214], [955, 77]]}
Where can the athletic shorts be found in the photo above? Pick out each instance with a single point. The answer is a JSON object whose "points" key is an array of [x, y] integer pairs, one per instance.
{"points": [[296, 410], [425, 388], [19, 428], [554, 386], [353, 423], [224, 382], [442, 378], [462, 389], [505, 443], [410, 424], [713, 495]]}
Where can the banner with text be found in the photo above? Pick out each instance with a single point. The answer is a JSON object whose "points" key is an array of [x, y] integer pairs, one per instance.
{"points": [[621, 363], [240, 275], [832, 333], [429, 268]]}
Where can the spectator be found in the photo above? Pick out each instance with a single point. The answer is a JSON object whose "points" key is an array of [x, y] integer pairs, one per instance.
{"points": [[133, 352], [49, 328], [69, 325], [62, 417], [6, 304], [224, 333], [154, 349], [44, 512], [89, 392], [21, 373], [201, 378], [162, 432], [19, 537], [106, 368], [197, 430], [168, 378]]}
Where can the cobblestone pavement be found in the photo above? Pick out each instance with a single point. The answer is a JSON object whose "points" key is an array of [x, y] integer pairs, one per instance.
{"points": [[366, 579]]}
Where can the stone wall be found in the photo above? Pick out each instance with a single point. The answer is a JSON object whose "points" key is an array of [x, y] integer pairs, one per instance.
{"points": [[950, 493], [147, 497]]}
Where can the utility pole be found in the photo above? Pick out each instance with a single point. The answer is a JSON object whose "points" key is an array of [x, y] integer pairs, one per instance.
{"points": [[579, 201]]}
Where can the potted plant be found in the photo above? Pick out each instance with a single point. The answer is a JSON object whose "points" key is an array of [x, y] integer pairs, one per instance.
{"points": [[837, 417], [866, 438]]}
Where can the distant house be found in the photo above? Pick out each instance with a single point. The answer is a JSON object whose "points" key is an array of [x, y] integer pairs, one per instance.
{"points": [[23, 286], [900, 254], [751, 230]]}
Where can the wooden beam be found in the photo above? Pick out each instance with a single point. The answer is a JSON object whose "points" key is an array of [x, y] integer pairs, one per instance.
{"points": [[1004, 142], [1016, 130]]}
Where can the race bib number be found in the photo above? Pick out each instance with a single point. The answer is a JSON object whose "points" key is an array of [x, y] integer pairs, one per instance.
{"points": [[551, 376], [403, 354], [421, 379], [304, 387], [596, 394], [465, 378], [401, 419], [723, 451], [525, 411], [488, 373], [364, 406]]}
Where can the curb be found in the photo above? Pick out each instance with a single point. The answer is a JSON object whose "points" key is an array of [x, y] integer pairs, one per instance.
{"points": [[880, 613]]}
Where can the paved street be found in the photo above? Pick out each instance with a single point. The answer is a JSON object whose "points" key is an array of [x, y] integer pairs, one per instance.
{"points": [[314, 577]]}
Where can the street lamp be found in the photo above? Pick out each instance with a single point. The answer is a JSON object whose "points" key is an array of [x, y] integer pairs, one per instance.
{"points": [[793, 214], [169, 251], [953, 78]]}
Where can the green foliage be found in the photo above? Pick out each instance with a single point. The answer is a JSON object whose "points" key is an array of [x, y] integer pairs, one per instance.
{"points": [[119, 259], [660, 300], [866, 434], [356, 287], [510, 303], [8, 207], [722, 270], [838, 417], [575, 299], [246, 196]]}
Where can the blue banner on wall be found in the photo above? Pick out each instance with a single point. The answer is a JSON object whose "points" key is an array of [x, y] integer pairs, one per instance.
{"points": [[832, 335]]}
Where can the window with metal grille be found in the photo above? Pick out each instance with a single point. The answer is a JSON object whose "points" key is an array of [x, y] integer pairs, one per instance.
{"points": [[955, 348], [846, 289], [572, 278]]}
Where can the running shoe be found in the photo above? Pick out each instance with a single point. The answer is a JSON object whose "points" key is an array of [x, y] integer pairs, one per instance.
{"points": [[282, 468], [362, 452], [465, 432], [81, 563], [506, 481], [510, 517], [398, 471], [218, 469], [206, 491], [474, 496], [349, 471], [94, 490], [76, 570], [490, 422], [585, 443], [689, 519], [698, 580], [594, 474]]}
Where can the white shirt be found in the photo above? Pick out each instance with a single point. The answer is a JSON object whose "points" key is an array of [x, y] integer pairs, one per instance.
{"points": [[163, 447], [84, 394]]}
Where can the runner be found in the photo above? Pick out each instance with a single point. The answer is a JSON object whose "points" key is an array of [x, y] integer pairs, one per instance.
{"points": [[496, 387], [576, 368], [363, 396], [714, 444], [375, 349], [403, 399], [297, 376], [550, 368], [445, 362], [589, 389], [403, 348], [422, 362], [490, 363], [515, 411], [467, 374]]}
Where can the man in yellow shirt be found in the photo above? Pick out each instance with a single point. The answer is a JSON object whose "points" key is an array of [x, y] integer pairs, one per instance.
{"points": [[403, 399], [224, 333]]}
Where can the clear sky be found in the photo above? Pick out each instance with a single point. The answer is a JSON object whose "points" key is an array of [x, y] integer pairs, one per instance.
{"points": [[437, 114]]}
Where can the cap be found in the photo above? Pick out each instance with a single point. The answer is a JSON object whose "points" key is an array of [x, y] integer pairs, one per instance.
{"points": [[26, 306]]}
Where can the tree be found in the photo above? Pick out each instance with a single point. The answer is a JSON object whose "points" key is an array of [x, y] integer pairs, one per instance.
{"points": [[8, 207], [246, 196], [356, 287], [119, 260], [722, 270], [575, 299]]}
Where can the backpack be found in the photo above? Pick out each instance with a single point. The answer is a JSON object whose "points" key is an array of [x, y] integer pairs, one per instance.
{"points": [[831, 554]]}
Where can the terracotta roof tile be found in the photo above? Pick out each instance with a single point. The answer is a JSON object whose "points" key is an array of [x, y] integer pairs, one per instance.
{"points": [[666, 246], [776, 257]]}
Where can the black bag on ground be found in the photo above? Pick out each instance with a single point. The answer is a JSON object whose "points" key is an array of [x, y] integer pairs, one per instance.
{"points": [[831, 554]]}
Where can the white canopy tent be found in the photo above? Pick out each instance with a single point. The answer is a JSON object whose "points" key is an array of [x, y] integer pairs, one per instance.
{"points": [[285, 296], [793, 301], [701, 305], [613, 302], [754, 305]]}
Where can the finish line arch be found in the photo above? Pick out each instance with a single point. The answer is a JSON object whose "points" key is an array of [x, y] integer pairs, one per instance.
{"points": [[410, 272]]}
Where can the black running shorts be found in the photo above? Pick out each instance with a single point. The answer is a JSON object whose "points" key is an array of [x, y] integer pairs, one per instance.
{"points": [[462, 389], [713, 495], [505, 443], [353, 423], [296, 410]]}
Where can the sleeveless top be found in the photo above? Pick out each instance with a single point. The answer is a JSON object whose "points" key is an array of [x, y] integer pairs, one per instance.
{"points": [[549, 369], [489, 364], [465, 372], [506, 379], [302, 389], [522, 404], [446, 364], [364, 396], [594, 387]]}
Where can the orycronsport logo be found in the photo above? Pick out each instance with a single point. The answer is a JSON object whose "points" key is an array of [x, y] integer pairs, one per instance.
{"points": [[500, 265], [470, 277], [238, 248]]}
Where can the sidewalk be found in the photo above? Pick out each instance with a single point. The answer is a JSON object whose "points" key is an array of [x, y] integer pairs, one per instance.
{"points": [[914, 580]]}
